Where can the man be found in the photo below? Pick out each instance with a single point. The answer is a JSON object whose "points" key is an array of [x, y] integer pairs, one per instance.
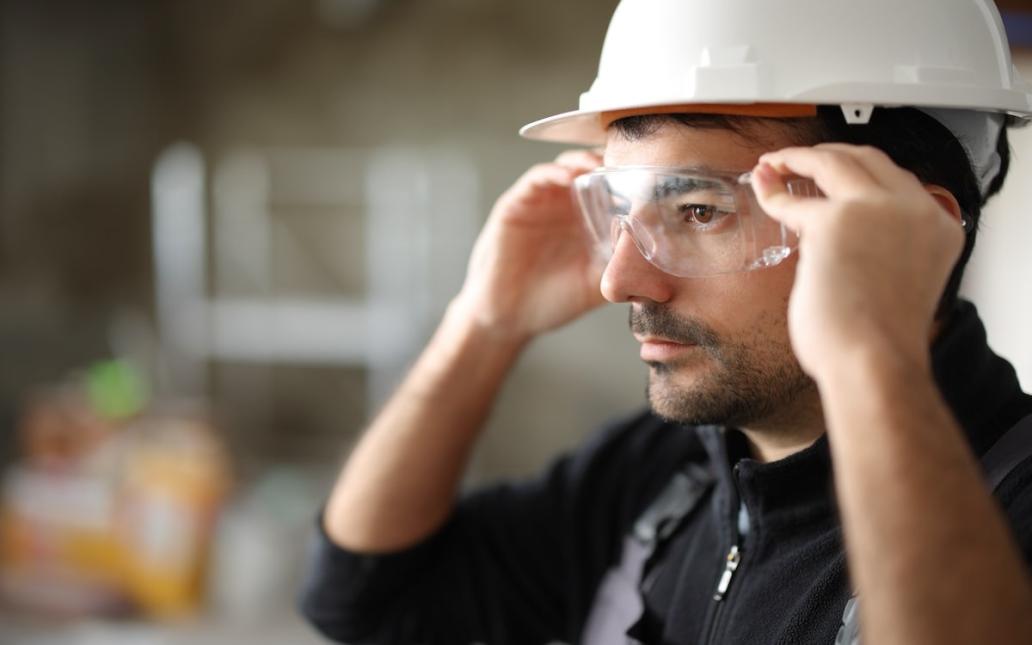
{"points": [[717, 517]]}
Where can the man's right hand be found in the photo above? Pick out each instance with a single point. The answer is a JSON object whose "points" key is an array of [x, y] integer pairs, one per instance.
{"points": [[532, 267]]}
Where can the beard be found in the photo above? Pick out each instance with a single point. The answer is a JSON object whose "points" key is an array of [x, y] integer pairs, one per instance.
{"points": [[734, 383]]}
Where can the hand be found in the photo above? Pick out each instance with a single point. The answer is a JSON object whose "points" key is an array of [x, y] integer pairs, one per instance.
{"points": [[874, 255], [532, 268]]}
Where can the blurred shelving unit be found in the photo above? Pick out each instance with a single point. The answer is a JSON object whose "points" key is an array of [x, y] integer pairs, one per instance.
{"points": [[315, 257]]}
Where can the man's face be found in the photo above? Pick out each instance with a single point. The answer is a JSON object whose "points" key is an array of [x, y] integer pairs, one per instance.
{"points": [[730, 361]]}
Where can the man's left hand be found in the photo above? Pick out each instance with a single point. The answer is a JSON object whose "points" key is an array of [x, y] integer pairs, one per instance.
{"points": [[874, 254]]}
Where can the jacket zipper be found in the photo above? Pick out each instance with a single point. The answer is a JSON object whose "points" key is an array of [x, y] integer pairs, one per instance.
{"points": [[734, 558], [732, 562]]}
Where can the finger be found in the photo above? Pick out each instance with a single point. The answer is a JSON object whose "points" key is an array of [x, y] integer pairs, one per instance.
{"points": [[838, 175], [794, 211], [878, 164], [548, 174], [579, 159]]}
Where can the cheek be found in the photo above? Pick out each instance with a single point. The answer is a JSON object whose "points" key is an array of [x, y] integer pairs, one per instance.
{"points": [[777, 281], [746, 304]]}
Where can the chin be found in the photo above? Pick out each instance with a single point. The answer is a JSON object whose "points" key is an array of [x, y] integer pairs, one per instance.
{"points": [[710, 399], [689, 401]]}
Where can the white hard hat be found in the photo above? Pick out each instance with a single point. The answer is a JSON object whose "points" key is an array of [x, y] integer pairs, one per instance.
{"points": [[784, 57]]}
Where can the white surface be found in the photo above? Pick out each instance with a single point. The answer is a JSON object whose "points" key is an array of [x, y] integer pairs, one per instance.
{"points": [[999, 277]]}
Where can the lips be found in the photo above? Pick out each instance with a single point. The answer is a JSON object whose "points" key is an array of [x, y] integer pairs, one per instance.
{"points": [[659, 350]]}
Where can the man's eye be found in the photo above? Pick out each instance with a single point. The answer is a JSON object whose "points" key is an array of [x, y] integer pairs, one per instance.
{"points": [[701, 213]]}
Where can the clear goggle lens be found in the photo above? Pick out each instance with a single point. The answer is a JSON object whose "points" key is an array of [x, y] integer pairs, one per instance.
{"points": [[686, 223]]}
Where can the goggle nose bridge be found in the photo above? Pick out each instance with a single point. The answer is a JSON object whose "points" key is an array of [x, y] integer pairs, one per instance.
{"points": [[643, 240]]}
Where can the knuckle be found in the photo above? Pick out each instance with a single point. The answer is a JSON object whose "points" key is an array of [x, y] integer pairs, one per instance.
{"points": [[832, 156], [539, 172], [872, 152], [832, 149]]}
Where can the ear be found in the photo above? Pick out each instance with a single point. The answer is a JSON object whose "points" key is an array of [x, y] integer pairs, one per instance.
{"points": [[946, 201]]}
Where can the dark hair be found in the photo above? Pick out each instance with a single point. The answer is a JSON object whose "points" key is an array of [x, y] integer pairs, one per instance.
{"points": [[913, 139]]}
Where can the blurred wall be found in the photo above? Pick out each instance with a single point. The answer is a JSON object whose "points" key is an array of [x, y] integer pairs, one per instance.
{"points": [[81, 117]]}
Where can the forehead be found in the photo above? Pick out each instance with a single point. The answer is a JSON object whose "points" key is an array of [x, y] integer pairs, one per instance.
{"points": [[676, 145]]}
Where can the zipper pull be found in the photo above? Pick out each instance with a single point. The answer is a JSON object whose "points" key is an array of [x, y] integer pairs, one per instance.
{"points": [[734, 556]]}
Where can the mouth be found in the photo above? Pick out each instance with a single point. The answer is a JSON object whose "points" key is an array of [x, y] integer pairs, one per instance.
{"points": [[655, 349]]}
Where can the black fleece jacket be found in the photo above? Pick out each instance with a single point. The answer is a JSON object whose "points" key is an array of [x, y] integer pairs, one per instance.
{"points": [[520, 563]]}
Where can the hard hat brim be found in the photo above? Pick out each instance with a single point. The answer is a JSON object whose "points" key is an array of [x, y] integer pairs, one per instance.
{"points": [[577, 127], [588, 127]]}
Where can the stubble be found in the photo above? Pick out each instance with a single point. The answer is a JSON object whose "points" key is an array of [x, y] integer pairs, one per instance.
{"points": [[733, 382]]}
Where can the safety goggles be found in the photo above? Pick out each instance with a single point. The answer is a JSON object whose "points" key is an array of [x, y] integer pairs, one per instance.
{"points": [[686, 222]]}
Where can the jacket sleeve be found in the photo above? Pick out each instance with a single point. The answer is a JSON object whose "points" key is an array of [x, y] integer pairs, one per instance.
{"points": [[514, 564]]}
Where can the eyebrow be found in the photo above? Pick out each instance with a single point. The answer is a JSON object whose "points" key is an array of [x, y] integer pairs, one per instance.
{"points": [[680, 185]]}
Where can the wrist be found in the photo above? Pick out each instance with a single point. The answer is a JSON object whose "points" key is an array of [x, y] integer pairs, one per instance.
{"points": [[872, 371], [468, 319], [870, 382], [464, 326], [874, 360]]}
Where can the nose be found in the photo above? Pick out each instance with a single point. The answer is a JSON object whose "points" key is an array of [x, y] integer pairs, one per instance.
{"points": [[629, 277]]}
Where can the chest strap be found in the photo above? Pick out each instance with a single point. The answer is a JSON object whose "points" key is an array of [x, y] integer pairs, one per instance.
{"points": [[618, 603], [1008, 452]]}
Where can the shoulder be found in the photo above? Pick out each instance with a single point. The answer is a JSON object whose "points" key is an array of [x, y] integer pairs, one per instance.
{"points": [[614, 473], [627, 463]]}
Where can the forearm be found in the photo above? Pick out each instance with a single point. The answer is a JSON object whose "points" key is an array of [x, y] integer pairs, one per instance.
{"points": [[929, 551], [399, 483]]}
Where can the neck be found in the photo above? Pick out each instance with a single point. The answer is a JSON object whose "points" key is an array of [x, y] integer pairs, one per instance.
{"points": [[791, 430], [797, 426]]}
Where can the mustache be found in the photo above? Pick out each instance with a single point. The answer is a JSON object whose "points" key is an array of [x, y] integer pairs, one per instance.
{"points": [[651, 319]]}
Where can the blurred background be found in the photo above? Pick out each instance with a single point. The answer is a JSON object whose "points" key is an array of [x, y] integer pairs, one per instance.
{"points": [[226, 228]]}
